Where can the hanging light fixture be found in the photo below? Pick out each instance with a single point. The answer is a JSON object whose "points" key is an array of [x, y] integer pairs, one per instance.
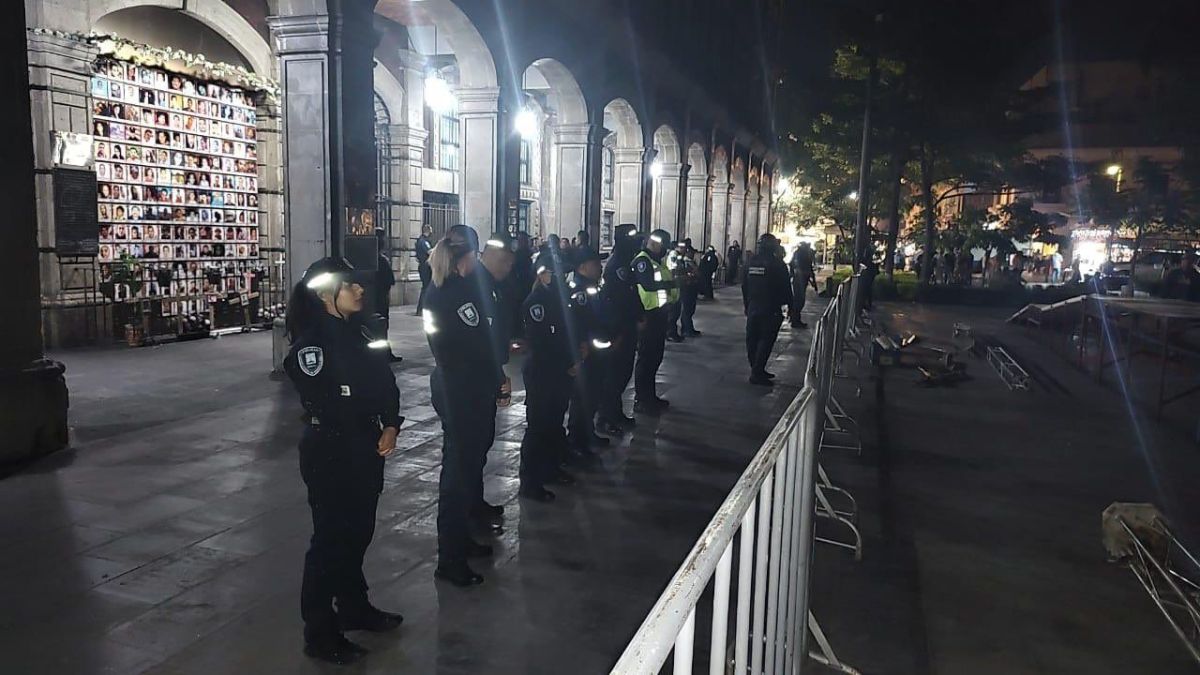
{"points": [[526, 123], [438, 94]]}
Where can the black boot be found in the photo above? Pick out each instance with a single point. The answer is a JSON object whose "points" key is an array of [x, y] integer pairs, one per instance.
{"points": [[458, 573], [538, 494], [477, 550], [369, 619], [335, 649]]}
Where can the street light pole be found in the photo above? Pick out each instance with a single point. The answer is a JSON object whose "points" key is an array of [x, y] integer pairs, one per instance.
{"points": [[862, 235]]}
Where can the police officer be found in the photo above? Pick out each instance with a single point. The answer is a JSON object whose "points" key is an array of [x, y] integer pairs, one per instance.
{"points": [[351, 415], [549, 374], [496, 263], [656, 290], [467, 384], [803, 275], [765, 289], [423, 248], [593, 323], [683, 267], [709, 262], [623, 307]]}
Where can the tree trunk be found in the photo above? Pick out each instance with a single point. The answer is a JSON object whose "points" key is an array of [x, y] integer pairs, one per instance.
{"points": [[889, 263], [862, 228], [930, 221]]}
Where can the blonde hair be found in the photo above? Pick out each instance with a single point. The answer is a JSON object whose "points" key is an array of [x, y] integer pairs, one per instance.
{"points": [[444, 257]]}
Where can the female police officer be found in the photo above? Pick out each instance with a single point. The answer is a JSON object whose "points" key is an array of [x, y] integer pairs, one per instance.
{"points": [[467, 384], [351, 415], [549, 378]]}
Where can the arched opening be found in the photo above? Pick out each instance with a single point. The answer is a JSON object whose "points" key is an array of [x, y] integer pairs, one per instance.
{"points": [[667, 171], [750, 231], [697, 200], [719, 229], [459, 97], [737, 202], [623, 175], [554, 140], [186, 161]]}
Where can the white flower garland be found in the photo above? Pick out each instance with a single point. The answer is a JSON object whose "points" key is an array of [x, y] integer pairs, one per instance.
{"points": [[161, 57]]}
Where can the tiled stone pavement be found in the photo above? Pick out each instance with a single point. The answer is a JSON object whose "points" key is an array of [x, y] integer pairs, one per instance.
{"points": [[170, 538]]}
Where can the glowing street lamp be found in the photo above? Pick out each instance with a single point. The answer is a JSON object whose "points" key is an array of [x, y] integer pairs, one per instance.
{"points": [[1116, 172], [526, 124], [438, 95], [853, 196]]}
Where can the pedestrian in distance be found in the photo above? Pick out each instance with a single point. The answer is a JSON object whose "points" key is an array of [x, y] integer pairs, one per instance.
{"points": [[680, 314], [351, 420], [804, 274], [733, 263], [467, 385], [422, 250], [709, 263], [385, 279], [657, 290], [766, 288]]}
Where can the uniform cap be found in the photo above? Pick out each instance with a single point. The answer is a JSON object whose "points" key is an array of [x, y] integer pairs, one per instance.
{"points": [[325, 272]]}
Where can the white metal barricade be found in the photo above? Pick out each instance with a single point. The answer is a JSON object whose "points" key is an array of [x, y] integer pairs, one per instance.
{"points": [[767, 524]]}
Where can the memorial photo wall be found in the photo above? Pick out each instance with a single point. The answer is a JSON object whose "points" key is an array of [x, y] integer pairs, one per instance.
{"points": [[176, 162]]}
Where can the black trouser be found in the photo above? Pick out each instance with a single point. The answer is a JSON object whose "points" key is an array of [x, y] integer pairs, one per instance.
{"points": [[651, 344], [799, 293], [731, 273], [618, 371], [544, 446], [706, 283], [468, 416], [674, 312], [426, 274], [589, 387], [761, 332], [687, 308], [344, 476]]}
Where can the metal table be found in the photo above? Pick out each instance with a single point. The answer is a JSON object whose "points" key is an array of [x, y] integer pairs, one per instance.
{"points": [[1147, 326]]}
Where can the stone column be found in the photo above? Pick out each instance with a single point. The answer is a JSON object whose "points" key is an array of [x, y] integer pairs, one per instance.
{"points": [[719, 224], [696, 209], [628, 181], [751, 228], [764, 209], [645, 219], [59, 74], [326, 69], [576, 147], [479, 116], [667, 192], [33, 393], [408, 142], [737, 216]]}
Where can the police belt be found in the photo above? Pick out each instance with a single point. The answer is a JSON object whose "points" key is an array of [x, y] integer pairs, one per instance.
{"points": [[369, 422]]}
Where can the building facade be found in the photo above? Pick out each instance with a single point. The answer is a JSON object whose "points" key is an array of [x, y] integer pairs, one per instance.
{"points": [[545, 117]]}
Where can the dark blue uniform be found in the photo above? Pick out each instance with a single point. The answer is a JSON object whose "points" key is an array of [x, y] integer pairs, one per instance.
{"points": [[593, 324], [554, 349], [349, 394], [766, 288], [465, 384], [624, 309]]}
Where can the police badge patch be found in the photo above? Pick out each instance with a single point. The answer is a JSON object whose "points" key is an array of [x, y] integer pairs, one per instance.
{"points": [[537, 312], [469, 314], [310, 360], [642, 266]]}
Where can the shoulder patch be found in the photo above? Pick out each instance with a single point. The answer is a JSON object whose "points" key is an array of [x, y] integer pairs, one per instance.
{"points": [[642, 265], [580, 298], [537, 312], [469, 314], [623, 273], [310, 360]]}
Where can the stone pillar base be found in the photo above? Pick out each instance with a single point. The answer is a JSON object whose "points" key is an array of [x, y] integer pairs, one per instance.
{"points": [[33, 411]]}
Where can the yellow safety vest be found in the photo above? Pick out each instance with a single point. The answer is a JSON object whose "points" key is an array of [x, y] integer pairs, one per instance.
{"points": [[669, 291]]}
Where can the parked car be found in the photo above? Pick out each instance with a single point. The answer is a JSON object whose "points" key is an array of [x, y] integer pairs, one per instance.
{"points": [[1111, 277], [1152, 268]]}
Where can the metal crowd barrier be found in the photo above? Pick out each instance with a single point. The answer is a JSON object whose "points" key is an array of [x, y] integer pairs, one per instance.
{"points": [[770, 512]]}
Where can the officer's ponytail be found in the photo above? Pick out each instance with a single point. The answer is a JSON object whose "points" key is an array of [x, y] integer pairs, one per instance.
{"points": [[303, 310], [459, 242]]}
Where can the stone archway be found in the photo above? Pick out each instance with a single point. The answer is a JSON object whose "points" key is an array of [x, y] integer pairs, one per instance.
{"points": [[627, 169], [215, 14], [737, 202], [667, 171], [719, 227], [440, 30], [696, 200], [566, 138]]}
